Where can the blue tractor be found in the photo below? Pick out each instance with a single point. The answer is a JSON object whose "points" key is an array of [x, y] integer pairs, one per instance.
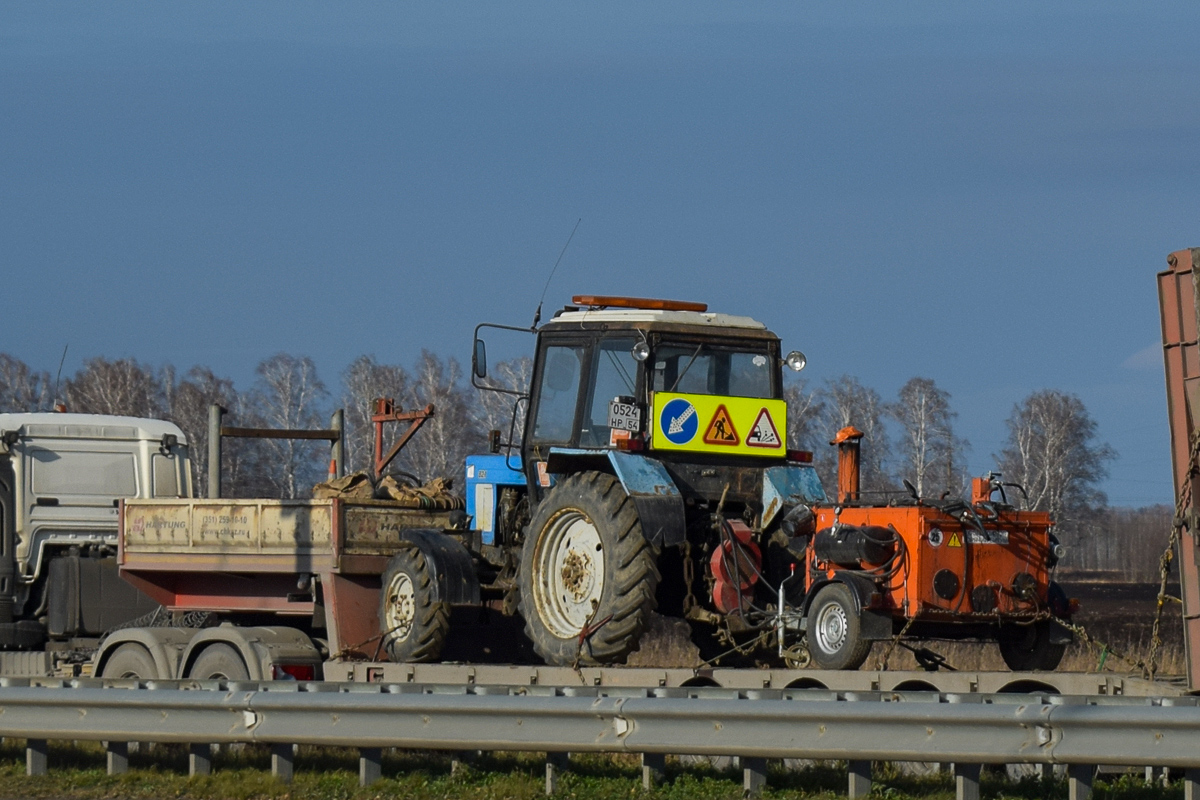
{"points": [[646, 468]]}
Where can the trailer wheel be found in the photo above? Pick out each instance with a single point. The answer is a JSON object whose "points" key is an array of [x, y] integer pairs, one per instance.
{"points": [[588, 575], [834, 630], [219, 662], [414, 625], [130, 661], [1026, 648]]}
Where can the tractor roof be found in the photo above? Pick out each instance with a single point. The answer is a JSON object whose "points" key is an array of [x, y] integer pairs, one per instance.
{"points": [[638, 309]]}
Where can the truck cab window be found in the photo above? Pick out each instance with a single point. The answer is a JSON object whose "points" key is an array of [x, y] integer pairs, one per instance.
{"points": [[614, 375], [559, 393]]}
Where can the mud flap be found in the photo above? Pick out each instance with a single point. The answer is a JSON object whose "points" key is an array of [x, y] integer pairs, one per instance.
{"points": [[876, 625], [457, 583]]}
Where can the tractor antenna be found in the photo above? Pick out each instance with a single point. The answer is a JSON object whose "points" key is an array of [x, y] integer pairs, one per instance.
{"points": [[58, 377], [537, 315]]}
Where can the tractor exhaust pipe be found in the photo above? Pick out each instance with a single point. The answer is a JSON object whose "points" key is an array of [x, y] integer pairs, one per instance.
{"points": [[849, 468]]}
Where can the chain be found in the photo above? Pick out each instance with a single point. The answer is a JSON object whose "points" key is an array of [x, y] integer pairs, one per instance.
{"points": [[883, 661], [689, 599], [1184, 518]]}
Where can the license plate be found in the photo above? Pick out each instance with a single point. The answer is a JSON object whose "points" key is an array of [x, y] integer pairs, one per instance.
{"points": [[624, 416]]}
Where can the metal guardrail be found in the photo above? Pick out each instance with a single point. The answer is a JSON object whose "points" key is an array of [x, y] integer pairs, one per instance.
{"points": [[967, 730]]}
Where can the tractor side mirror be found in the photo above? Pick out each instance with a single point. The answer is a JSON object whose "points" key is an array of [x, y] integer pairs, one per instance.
{"points": [[479, 359]]}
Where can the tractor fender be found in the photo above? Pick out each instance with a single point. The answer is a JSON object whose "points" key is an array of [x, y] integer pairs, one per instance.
{"points": [[259, 647], [875, 625], [457, 581], [651, 488], [165, 645]]}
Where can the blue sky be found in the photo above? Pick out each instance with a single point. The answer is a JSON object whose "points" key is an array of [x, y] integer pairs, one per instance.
{"points": [[977, 195]]}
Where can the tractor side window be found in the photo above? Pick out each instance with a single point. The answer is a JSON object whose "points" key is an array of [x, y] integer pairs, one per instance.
{"points": [[615, 376], [559, 393]]}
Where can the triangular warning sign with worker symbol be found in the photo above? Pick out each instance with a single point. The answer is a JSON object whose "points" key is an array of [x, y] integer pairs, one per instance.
{"points": [[764, 433], [720, 430]]}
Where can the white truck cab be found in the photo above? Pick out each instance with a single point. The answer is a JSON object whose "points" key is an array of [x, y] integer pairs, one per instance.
{"points": [[62, 477]]}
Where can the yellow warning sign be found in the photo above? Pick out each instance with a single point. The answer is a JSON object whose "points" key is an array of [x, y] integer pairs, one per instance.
{"points": [[721, 430], [954, 541], [718, 424]]}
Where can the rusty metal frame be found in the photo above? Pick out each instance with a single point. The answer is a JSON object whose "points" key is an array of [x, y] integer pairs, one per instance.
{"points": [[1178, 292], [385, 411]]}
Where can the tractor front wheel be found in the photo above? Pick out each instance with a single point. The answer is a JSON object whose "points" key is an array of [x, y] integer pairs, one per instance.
{"points": [[412, 622], [588, 576]]}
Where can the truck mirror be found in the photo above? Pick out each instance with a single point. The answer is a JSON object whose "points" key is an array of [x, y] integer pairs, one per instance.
{"points": [[479, 359]]}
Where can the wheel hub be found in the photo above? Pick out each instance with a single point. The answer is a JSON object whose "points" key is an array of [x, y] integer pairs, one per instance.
{"points": [[831, 628], [401, 607], [568, 573]]}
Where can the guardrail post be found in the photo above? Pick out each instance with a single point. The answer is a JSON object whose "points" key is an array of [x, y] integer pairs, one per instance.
{"points": [[36, 754], [555, 763], [859, 779], [370, 765], [754, 776], [1079, 781], [460, 761], [199, 760], [117, 757], [966, 781], [654, 769], [281, 762], [1191, 784]]}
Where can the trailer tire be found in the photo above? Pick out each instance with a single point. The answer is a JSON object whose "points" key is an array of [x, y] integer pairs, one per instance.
{"points": [[835, 638], [588, 576], [219, 662], [1026, 648], [130, 661], [414, 623]]}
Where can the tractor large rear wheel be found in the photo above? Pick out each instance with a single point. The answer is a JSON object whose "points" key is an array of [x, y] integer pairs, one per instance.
{"points": [[588, 575]]}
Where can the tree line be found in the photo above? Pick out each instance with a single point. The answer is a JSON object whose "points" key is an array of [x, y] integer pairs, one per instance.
{"points": [[1052, 449]]}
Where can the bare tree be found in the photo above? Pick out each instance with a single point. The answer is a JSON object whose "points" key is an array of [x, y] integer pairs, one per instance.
{"points": [[847, 402], [188, 402], [928, 450], [364, 381], [116, 387], [446, 440], [494, 410], [22, 389], [806, 410], [288, 394], [1052, 451]]}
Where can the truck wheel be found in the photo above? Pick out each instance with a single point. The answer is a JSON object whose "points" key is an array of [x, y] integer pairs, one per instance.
{"points": [[219, 662], [588, 575], [834, 630], [413, 624], [1026, 648], [130, 661]]}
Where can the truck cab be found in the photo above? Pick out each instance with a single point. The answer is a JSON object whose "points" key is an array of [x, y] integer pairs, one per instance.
{"points": [[62, 477]]}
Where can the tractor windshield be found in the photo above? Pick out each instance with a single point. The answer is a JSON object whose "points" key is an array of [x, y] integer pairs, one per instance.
{"points": [[706, 369]]}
